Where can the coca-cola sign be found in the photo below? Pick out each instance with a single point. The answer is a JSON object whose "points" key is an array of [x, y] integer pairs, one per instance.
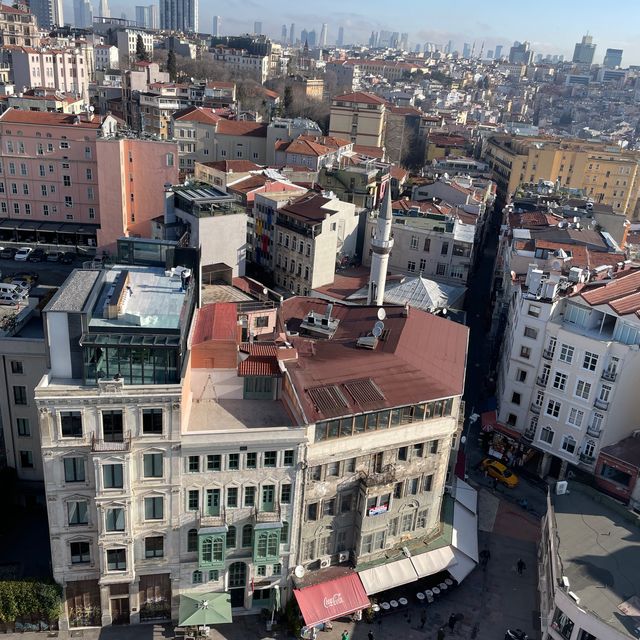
{"points": [[333, 601]]}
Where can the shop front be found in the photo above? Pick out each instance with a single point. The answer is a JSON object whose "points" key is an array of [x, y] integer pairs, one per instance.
{"points": [[505, 443]]}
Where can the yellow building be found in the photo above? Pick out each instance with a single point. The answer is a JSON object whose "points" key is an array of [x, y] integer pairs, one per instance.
{"points": [[359, 117], [606, 173]]}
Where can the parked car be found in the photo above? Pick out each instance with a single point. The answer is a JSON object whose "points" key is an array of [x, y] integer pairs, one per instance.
{"points": [[68, 257], [10, 298], [500, 472], [54, 256], [23, 254], [37, 255], [8, 253]]}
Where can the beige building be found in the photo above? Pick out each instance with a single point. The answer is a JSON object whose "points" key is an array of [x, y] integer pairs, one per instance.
{"points": [[606, 173], [43, 100], [359, 117], [18, 27]]}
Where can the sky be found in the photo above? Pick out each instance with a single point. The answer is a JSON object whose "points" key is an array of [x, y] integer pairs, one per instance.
{"points": [[552, 26]]}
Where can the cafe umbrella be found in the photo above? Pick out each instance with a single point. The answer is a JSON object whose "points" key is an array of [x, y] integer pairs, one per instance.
{"points": [[203, 609]]}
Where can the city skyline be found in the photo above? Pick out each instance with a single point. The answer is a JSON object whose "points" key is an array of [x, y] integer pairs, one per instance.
{"points": [[552, 29]]}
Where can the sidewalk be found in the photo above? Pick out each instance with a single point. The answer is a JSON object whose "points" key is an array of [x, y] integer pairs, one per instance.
{"points": [[489, 601]]}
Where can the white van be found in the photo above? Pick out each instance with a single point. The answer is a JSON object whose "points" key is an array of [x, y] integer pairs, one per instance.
{"points": [[10, 298], [13, 289]]}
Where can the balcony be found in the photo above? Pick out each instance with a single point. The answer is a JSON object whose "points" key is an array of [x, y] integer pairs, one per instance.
{"points": [[609, 376], [587, 459], [601, 404], [529, 435], [122, 443], [261, 516], [386, 476], [594, 432], [547, 354], [542, 381], [535, 408], [212, 520]]}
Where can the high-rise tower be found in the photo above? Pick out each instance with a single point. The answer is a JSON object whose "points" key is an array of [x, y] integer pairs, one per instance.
{"points": [[381, 245]]}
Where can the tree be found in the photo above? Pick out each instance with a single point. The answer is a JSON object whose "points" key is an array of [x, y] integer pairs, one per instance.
{"points": [[288, 99], [141, 52], [172, 67]]}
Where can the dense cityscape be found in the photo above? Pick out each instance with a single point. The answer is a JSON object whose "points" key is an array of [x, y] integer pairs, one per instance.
{"points": [[308, 334]]}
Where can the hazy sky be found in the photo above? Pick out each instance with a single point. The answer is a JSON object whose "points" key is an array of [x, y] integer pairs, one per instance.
{"points": [[552, 26]]}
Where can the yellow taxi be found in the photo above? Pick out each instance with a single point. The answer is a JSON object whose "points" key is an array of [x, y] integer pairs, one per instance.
{"points": [[500, 472]]}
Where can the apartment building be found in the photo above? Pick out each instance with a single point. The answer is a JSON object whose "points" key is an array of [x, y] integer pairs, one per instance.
{"points": [[569, 363], [105, 57], [352, 183], [312, 233], [359, 117], [46, 100], [18, 27], [194, 129], [435, 245], [605, 173], [61, 70], [71, 180], [126, 42], [313, 152], [382, 423], [238, 61]]}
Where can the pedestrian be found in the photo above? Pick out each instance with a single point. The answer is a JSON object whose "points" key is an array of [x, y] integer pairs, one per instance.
{"points": [[370, 635], [345, 635], [452, 622], [441, 633], [521, 566], [423, 619], [495, 484], [485, 556]]}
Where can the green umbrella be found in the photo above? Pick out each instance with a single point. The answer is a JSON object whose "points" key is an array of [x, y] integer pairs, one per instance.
{"points": [[197, 609]]}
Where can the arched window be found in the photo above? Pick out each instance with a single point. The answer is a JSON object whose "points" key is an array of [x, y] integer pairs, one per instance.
{"points": [[192, 540], [217, 549], [206, 552], [231, 538], [589, 448], [247, 535], [237, 575], [196, 577], [273, 544], [569, 444], [284, 533], [261, 547]]}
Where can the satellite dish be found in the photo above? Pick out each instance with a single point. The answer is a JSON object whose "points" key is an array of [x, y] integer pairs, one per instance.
{"points": [[379, 325], [299, 571], [382, 314], [377, 332]]}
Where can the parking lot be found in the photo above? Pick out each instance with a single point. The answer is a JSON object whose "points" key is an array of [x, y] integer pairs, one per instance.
{"points": [[50, 273]]}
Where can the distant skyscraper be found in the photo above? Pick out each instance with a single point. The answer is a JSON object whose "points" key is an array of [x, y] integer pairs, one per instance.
{"points": [[404, 41], [216, 26], [466, 50], [612, 58], [179, 15], [520, 53], [323, 35], [448, 48], [292, 33], [340, 38], [257, 28], [123, 15], [103, 9], [490, 54], [312, 38], [283, 33], [498, 51], [82, 14], [304, 36], [48, 12], [147, 16], [584, 51], [373, 39]]}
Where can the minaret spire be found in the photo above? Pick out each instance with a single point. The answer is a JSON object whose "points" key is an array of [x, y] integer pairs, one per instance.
{"points": [[381, 245]]}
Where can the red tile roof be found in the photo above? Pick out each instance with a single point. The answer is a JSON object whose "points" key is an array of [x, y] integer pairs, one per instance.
{"points": [[49, 119], [422, 358], [242, 128], [369, 151], [262, 360], [309, 208], [622, 293], [360, 97], [197, 114], [217, 321], [5, 8]]}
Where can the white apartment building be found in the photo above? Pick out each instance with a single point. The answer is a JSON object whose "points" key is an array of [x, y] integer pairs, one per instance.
{"points": [[569, 365], [161, 477], [127, 41], [242, 62], [62, 70], [439, 246], [105, 57]]}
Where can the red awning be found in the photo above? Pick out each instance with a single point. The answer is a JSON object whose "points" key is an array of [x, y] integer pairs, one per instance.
{"points": [[331, 599], [507, 431], [490, 422]]}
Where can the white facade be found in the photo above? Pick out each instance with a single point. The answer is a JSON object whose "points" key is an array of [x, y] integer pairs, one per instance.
{"points": [[257, 67], [106, 57], [127, 40], [567, 376]]}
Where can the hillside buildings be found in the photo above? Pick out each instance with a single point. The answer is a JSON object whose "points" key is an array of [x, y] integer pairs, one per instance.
{"points": [[359, 117]]}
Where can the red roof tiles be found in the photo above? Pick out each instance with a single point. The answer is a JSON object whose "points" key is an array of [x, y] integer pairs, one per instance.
{"points": [[49, 119], [217, 321], [360, 97], [621, 293], [241, 128]]}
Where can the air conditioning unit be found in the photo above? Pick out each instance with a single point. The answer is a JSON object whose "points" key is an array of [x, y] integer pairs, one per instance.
{"points": [[561, 487], [343, 556], [325, 562]]}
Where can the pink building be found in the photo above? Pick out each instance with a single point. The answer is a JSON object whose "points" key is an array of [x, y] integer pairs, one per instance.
{"points": [[68, 180], [62, 70]]}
